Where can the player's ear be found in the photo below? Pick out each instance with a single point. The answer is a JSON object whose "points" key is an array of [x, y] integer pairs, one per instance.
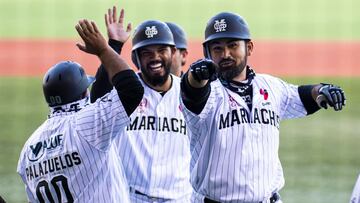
{"points": [[173, 50], [184, 54], [249, 47]]}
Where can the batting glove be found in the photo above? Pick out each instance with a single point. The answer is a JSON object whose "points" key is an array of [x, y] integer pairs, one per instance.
{"points": [[203, 69], [331, 95]]}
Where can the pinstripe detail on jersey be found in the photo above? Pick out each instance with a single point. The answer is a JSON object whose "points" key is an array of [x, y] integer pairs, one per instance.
{"points": [[84, 158], [101, 134], [155, 148], [355, 196], [235, 149]]}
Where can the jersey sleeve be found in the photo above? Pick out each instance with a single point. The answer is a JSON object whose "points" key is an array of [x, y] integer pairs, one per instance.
{"points": [[20, 169], [20, 166], [101, 121], [198, 123], [355, 196], [290, 104], [29, 194]]}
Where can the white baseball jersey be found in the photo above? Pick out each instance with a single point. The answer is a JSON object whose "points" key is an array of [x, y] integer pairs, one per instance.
{"points": [[71, 156], [155, 150], [355, 197], [234, 149]]}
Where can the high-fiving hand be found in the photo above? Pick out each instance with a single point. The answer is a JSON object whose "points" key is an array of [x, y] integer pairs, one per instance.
{"points": [[115, 26], [94, 41]]}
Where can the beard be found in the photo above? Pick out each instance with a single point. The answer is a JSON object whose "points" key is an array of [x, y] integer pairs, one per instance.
{"points": [[153, 78], [229, 73]]}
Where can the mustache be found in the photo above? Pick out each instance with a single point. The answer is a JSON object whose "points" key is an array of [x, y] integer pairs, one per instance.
{"points": [[226, 60], [155, 62]]}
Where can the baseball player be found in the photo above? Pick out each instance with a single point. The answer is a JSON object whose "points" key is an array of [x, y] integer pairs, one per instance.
{"points": [[155, 149], [355, 197], [181, 52], [234, 116], [70, 157]]}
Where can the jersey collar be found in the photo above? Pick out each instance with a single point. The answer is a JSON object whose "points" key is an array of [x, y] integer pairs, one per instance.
{"points": [[240, 86], [68, 109]]}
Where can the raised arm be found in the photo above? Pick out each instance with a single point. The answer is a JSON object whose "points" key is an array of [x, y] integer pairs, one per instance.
{"points": [[96, 44], [117, 37], [127, 84]]}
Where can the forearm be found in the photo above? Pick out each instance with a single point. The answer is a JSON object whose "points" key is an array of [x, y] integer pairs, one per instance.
{"points": [[102, 84], [112, 62], [116, 45], [308, 95], [315, 91], [194, 98], [129, 88]]}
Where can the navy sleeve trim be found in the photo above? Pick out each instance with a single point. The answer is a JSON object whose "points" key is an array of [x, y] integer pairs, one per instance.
{"points": [[194, 98], [116, 45], [101, 86], [307, 99], [129, 88]]}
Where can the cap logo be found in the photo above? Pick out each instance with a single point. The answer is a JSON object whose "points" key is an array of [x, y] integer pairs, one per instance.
{"points": [[220, 25], [151, 31]]}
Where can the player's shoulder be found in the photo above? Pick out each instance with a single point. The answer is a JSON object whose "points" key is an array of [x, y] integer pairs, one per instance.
{"points": [[175, 81], [268, 79], [175, 78], [216, 85], [34, 138], [36, 135], [104, 99], [264, 76]]}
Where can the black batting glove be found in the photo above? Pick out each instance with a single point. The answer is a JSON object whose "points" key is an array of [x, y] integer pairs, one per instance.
{"points": [[331, 95], [203, 69]]}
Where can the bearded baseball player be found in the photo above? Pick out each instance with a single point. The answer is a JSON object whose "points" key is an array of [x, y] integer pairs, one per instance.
{"points": [[155, 149], [234, 116], [70, 157], [181, 53]]}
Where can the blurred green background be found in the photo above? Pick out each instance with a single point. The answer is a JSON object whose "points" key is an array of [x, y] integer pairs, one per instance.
{"points": [[319, 153], [280, 19]]}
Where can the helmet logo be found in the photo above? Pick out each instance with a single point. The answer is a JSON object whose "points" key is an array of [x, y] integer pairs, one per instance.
{"points": [[220, 25], [151, 31]]}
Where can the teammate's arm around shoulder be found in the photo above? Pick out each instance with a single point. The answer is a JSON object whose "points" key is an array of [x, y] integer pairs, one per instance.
{"points": [[321, 95], [195, 84], [124, 79]]}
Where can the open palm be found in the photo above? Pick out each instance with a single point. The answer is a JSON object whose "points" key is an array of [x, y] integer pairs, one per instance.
{"points": [[115, 27]]}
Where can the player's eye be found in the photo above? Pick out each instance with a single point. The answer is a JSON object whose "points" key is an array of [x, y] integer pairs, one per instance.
{"points": [[233, 45], [217, 48], [145, 53], [163, 50]]}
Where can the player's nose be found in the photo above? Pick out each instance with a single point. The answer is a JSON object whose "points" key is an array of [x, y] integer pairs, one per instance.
{"points": [[155, 55], [226, 52]]}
